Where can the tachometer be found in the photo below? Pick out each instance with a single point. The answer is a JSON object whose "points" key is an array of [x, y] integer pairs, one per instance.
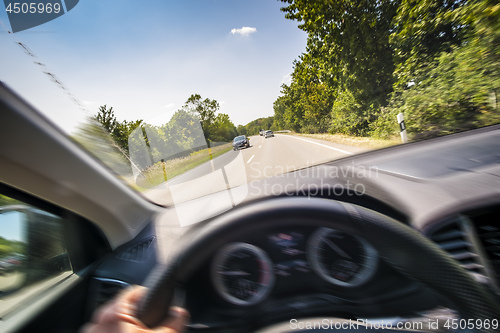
{"points": [[340, 258], [242, 273]]}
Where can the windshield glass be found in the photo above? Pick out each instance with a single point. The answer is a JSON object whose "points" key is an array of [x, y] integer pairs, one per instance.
{"points": [[158, 91]]}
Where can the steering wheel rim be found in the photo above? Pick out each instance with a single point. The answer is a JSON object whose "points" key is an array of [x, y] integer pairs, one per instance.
{"points": [[432, 267]]}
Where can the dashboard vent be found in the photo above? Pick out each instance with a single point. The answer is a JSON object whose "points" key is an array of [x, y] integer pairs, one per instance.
{"points": [[102, 290], [138, 252], [456, 239], [490, 238]]}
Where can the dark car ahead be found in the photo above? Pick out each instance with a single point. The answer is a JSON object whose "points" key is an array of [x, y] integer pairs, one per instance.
{"points": [[240, 142]]}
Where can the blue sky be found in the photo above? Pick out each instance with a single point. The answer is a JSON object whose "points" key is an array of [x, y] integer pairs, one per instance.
{"points": [[11, 226], [145, 58]]}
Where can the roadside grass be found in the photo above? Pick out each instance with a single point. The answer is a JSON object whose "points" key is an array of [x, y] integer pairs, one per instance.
{"points": [[361, 142], [160, 172]]}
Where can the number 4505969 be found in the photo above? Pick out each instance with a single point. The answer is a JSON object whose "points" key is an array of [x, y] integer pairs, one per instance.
{"points": [[472, 324], [33, 8]]}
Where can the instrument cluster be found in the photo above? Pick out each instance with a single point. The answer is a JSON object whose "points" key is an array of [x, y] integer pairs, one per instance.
{"points": [[245, 273]]}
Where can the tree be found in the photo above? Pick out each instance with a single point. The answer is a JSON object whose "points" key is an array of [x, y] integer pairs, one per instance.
{"points": [[204, 109], [348, 52], [119, 131], [253, 127], [423, 29], [107, 119], [241, 130], [448, 73], [216, 127], [97, 140], [223, 129]]}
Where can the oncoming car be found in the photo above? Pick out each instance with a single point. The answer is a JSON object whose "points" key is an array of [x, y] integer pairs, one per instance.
{"points": [[241, 141], [295, 234]]}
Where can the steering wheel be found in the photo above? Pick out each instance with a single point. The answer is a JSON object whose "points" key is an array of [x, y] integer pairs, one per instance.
{"points": [[400, 246]]}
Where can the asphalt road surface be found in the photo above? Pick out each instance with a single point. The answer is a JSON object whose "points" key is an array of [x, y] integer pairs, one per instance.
{"points": [[264, 158]]}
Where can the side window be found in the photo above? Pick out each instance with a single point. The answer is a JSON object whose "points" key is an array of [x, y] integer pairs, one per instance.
{"points": [[33, 254]]}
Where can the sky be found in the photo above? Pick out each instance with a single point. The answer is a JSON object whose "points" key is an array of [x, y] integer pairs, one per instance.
{"points": [[145, 58], [11, 226]]}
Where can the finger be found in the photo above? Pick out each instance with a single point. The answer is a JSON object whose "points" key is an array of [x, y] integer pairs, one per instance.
{"points": [[133, 294], [122, 307], [126, 305], [105, 313], [127, 302], [176, 321]]}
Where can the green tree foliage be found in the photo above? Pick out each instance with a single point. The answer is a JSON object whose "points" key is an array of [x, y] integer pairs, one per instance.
{"points": [[347, 53], [223, 129], [5, 201], [119, 131], [423, 29], [241, 130], [5, 247], [452, 85], [216, 127], [97, 140], [306, 103], [435, 60], [253, 127]]}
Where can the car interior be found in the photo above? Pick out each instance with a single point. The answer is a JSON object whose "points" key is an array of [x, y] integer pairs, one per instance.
{"points": [[404, 232]]}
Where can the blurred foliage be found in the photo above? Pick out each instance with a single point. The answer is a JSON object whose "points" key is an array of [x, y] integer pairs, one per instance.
{"points": [[119, 131], [455, 86], [11, 247], [4, 201], [97, 140], [366, 61], [254, 127]]}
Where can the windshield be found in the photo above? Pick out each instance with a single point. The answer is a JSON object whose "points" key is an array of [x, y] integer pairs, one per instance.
{"points": [[158, 91]]}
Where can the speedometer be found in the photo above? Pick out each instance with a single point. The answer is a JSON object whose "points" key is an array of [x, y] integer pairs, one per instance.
{"points": [[340, 258], [242, 274]]}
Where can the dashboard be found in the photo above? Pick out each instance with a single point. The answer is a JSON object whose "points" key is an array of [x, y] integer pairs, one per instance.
{"points": [[275, 272], [301, 270]]}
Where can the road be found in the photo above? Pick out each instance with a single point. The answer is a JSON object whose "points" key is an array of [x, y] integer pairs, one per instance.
{"points": [[11, 281], [192, 193], [263, 159], [285, 153]]}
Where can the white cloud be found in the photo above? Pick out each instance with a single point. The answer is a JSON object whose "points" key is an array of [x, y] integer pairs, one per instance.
{"points": [[169, 106], [244, 31]]}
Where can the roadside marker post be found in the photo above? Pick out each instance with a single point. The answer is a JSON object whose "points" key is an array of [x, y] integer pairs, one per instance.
{"points": [[402, 128], [164, 170]]}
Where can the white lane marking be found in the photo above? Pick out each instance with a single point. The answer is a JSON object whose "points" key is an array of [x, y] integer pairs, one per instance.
{"points": [[260, 146], [250, 158], [322, 145]]}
